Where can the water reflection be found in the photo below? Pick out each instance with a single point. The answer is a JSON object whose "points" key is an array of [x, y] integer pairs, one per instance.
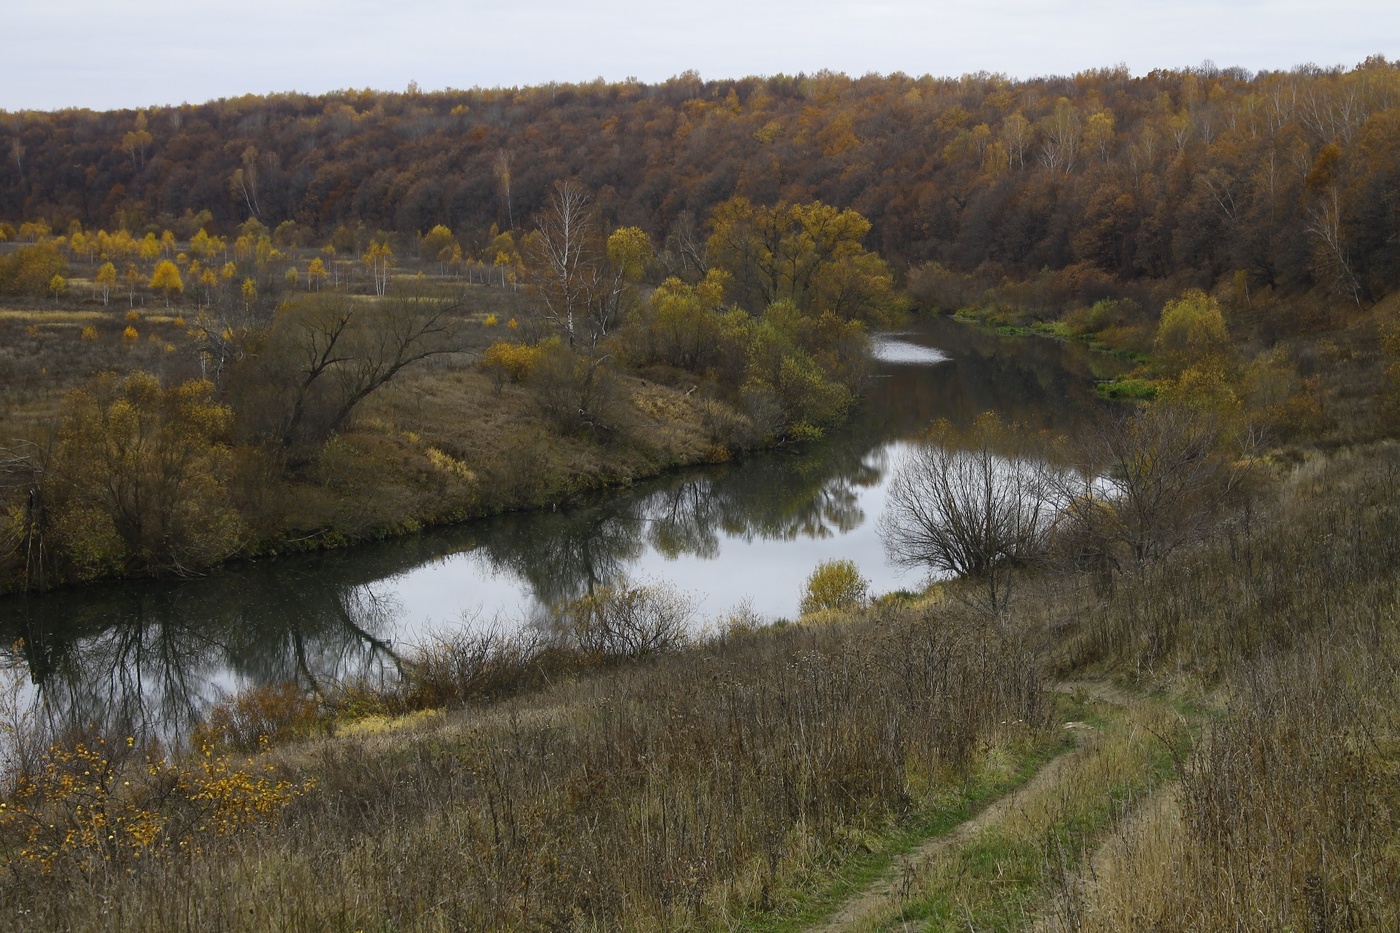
{"points": [[562, 555], [152, 658]]}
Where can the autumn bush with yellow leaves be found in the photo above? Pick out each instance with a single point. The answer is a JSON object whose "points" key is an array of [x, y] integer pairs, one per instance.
{"points": [[513, 362], [137, 477], [86, 805]]}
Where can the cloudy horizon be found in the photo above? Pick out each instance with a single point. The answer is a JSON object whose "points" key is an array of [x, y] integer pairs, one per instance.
{"points": [[82, 53]]}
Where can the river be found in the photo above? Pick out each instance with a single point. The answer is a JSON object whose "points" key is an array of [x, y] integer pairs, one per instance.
{"points": [[151, 658]]}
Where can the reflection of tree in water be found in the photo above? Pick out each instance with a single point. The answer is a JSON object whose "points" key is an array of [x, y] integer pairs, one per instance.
{"points": [[684, 517], [812, 495], [333, 632], [564, 555], [150, 660]]}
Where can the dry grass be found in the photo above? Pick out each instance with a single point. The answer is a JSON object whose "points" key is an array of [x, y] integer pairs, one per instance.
{"points": [[688, 792], [46, 316], [1000, 875], [43, 357], [1285, 815]]}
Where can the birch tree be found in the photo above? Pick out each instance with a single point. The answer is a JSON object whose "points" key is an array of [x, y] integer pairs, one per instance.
{"points": [[558, 257]]}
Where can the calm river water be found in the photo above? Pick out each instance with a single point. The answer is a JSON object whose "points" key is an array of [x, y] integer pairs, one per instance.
{"points": [[152, 657]]}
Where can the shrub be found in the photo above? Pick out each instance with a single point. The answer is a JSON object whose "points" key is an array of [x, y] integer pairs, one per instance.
{"points": [[138, 477], [834, 584], [476, 667], [512, 362], [256, 716], [574, 391], [624, 621], [89, 805], [30, 270]]}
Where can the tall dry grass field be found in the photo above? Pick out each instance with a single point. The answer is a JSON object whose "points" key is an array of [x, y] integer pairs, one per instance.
{"points": [[694, 790], [1286, 815]]}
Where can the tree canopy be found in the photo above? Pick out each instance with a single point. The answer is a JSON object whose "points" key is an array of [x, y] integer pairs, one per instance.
{"points": [[1289, 176]]}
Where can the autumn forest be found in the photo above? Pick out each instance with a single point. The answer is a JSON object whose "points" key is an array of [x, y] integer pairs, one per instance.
{"points": [[1290, 177]]}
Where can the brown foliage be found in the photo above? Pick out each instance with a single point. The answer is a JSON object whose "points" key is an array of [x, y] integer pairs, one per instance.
{"points": [[1193, 172]]}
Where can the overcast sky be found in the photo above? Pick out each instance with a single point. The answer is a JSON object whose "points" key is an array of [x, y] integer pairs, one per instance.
{"points": [[107, 54]]}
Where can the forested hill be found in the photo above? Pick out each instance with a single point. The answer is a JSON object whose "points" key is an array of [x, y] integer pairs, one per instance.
{"points": [[1293, 177]]}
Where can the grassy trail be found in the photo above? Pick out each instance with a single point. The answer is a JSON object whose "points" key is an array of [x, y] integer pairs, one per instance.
{"points": [[1000, 868]]}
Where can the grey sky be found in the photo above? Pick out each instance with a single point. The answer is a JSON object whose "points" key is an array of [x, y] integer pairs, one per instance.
{"points": [[104, 54]]}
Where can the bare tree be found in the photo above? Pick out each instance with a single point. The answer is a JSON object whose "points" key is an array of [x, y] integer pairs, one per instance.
{"points": [[1153, 481], [559, 261], [686, 254], [324, 354], [1061, 132], [1325, 225], [1017, 134], [973, 505]]}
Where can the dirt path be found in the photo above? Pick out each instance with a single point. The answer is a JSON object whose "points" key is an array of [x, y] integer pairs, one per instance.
{"points": [[1063, 914], [884, 896]]}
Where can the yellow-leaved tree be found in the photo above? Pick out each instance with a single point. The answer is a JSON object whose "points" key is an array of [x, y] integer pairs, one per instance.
{"points": [[1192, 333], [136, 142], [315, 274], [379, 260], [166, 280], [105, 281], [435, 241], [149, 248], [137, 482], [808, 254]]}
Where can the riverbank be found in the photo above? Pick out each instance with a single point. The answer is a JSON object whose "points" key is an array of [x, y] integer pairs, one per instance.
{"points": [[441, 449], [265, 464], [751, 779]]}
